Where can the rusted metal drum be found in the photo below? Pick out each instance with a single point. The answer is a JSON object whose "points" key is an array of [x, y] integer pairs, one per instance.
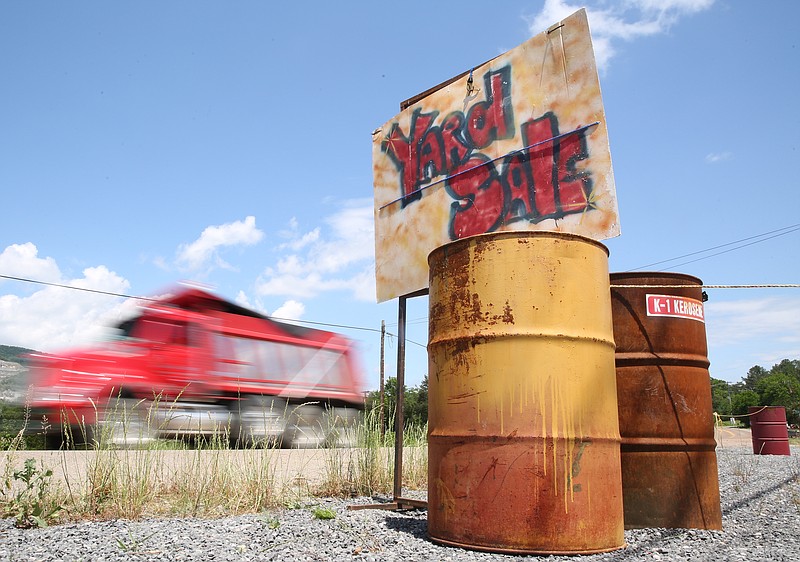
{"points": [[769, 431], [523, 438], [669, 464]]}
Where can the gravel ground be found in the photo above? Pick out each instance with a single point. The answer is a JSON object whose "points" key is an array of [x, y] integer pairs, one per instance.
{"points": [[760, 504]]}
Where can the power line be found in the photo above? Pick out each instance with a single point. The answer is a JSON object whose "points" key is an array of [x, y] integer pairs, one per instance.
{"points": [[788, 229], [736, 248], [123, 295], [341, 326], [420, 320], [62, 286], [763, 237]]}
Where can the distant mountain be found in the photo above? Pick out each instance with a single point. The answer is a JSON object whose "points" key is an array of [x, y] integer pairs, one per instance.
{"points": [[14, 353]]}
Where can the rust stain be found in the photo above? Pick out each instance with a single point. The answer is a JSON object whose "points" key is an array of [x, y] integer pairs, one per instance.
{"points": [[466, 395], [508, 315], [477, 314], [576, 456], [447, 502], [492, 468]]}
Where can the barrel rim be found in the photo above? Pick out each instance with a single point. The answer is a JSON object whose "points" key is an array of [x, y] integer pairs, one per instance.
{"points": [[531, 550], [672, 276], [504, 234]]}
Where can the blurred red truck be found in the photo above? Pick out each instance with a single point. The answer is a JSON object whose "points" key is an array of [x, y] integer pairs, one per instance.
{"points": [[197, 365]]}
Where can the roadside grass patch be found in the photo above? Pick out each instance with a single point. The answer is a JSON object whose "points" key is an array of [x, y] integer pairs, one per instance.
{"points": [[157, 477]]}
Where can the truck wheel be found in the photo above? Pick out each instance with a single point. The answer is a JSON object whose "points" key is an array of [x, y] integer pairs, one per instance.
{"points": [[69, 438], [126, 423], [306, 428], [261, 421]]}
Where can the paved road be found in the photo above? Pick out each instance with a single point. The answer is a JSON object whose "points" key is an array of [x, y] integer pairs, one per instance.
{"points": [[732, 437], [290, 465]]}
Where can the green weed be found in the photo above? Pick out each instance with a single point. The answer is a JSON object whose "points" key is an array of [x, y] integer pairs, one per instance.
{"points": [[30, 503], [323, 513], [133, 544]]}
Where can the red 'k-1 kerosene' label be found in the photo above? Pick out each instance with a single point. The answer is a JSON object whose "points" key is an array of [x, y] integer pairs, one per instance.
{"points": [[675, 307]]}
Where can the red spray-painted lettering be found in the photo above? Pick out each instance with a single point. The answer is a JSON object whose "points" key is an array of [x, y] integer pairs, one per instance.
{"points": [[538, 183], [431, 151]]}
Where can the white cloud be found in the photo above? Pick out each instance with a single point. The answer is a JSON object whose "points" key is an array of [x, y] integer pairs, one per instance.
{"points": [[715, 157], [735, 322], [744, 333], [22, 260], [243, 300], [363, 284], [289, 310], [337, 258], [306, 239], [297, 241], [53, 317], [205, 249], [626, 20], [282, 283]]}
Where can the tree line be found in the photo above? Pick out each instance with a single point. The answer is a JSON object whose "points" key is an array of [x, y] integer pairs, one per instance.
{"points": [[778, 386], [415, 403]]}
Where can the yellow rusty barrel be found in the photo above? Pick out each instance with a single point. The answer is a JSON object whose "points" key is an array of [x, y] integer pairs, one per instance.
{"points": [[523, 437], [669, 464]]}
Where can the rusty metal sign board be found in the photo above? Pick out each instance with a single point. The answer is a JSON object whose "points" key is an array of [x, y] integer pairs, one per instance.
{"points": [[519, 143]]}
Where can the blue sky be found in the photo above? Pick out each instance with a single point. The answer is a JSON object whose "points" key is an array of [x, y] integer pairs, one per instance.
{"points": [[143, 143]]}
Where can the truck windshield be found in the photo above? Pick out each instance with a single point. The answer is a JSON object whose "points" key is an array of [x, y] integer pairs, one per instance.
{"points": [[125, 328], [155, 329]]}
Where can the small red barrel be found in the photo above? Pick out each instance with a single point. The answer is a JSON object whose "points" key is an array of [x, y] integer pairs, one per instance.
{"points": [[769, 431]]}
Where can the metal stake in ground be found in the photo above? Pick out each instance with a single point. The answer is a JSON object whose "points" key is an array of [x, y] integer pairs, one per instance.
{"points": [[399, 502]]}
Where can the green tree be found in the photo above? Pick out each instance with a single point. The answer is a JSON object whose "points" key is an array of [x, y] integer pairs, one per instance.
{"points": [[755, 374], [787, 367], [781, 389], [389, 401], [736, 387], [744, 400], [721, 399], [415, 402], [415, 409]]}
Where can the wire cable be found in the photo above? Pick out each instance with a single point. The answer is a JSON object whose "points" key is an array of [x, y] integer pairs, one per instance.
{"points": [[150, 299], [763, 237], [790, 229], [736, 248], [62, 286]]}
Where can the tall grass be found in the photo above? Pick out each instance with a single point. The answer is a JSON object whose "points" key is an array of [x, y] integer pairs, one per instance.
{"points": [[157, 477], [368, 469]]}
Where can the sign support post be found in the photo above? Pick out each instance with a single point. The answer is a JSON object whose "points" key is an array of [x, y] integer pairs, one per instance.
{"points": [[398, 502]]}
